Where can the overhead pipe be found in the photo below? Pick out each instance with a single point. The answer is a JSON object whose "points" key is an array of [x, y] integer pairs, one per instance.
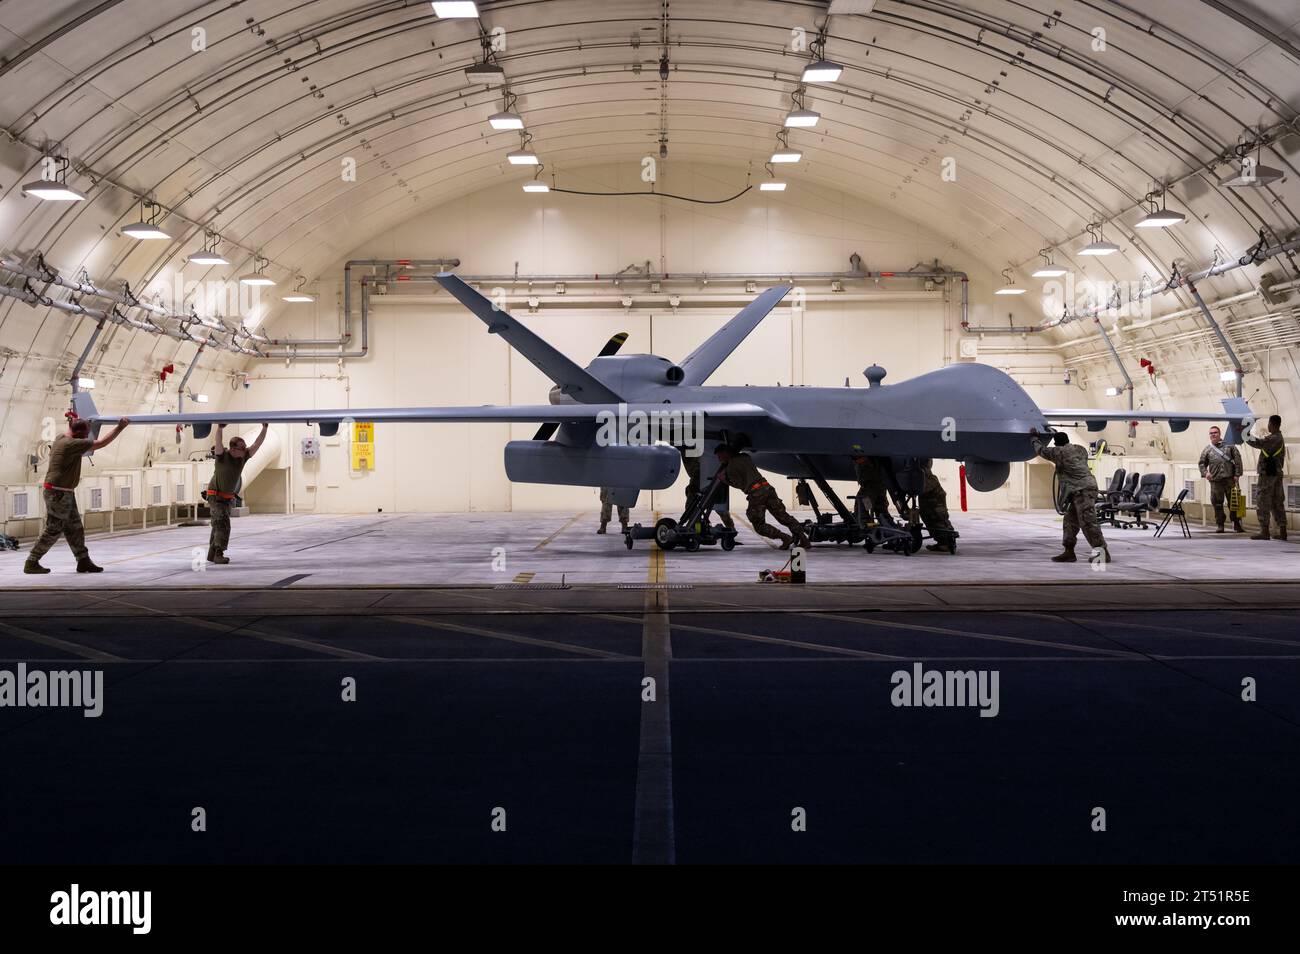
{"points": [[294, 347], [1128, 381], [1256, 257], [48, 275]]}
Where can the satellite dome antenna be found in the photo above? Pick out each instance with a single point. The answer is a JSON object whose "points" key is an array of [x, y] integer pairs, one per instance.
{"points": [[875, 374]]}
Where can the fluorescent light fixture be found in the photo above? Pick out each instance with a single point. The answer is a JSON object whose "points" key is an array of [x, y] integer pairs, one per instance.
{"points": [[144, 230], [455, 9], [207, 257], [848, 7], [52, 192], [1161, 219], [522, 158], [536, 185], [1263, 175], [1112, 392], [802, 118], [297, 297], [1009, 290], [86, 384], [1227, 375], [1099, 248], [823, 71], [255, 278], [787, 155], [201, 399], [485, 73], [1050, 271], [506, 120], [772, 185]]}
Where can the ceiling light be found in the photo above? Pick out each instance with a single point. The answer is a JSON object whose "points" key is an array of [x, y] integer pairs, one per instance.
{"points": [[822, 71], [144, 230], [455, 9], [86, 384], [258, 275], [536, 185], [772, 185], [207, 257], [506, 120], [1244, 178], [298, 297], [1227, 375], [1099, 248], [52, 192], [1160, 219], [485, 73], [1112, 392], [802, 118], [200, 398], [787, 155], [523, 158], [1010, 287], [1050, 271]]}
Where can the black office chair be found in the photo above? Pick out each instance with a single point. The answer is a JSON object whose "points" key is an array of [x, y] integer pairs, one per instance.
{"points": [[1145, 500], [1113, 489], [1175, 512], [1106, 511]]}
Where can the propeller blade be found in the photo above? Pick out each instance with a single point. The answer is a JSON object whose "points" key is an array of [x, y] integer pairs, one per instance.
{"points": [[545, 432]]}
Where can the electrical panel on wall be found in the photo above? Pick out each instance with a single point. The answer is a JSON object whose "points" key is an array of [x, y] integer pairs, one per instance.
{"points": [[310, 448]]}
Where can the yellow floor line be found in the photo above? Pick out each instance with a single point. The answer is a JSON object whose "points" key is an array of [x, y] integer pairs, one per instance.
{"points": [[566, 526]]}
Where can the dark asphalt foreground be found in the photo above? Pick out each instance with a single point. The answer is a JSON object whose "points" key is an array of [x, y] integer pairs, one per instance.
{"points": [[477, 699]]}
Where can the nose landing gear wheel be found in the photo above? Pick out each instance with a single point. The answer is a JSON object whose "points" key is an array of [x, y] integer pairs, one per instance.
{"points": [[666, 533], [728, 543]]}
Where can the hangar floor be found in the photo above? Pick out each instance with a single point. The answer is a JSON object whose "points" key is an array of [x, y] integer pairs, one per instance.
{"points": [[1119, 690], [548, 548]]}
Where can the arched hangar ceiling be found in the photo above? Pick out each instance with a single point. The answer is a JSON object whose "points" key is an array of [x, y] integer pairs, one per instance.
{"points": [[1050, 128]]}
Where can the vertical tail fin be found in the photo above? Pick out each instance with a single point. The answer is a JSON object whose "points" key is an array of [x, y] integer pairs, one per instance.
{"points": [[705, 359]]}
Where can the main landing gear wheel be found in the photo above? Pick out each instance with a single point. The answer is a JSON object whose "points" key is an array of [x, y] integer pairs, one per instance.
{"points": [[666, 533]]}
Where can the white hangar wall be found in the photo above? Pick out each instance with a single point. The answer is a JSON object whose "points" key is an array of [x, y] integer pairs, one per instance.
{"points": [[426, 349]]}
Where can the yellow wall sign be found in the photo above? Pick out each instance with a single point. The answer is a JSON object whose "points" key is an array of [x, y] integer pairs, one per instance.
{"points": [[363, 445]]}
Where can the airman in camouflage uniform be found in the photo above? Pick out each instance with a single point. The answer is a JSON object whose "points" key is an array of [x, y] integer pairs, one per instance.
{"points": [[607, 510], [933, 504], [871, 486], [62, 518], [1271, 503], [1220, 464], [1078, 493], [745, 477]]}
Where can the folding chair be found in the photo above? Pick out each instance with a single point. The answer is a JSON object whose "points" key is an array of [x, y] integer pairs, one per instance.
{"points": [[1175, 511]]}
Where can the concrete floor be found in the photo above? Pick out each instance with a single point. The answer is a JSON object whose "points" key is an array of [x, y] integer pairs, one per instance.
{"points": [[544, 548], [1119, 689]]}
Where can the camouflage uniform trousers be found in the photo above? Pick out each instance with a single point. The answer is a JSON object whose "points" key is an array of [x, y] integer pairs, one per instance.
{"points": [[62, 518], [763, 502], [1271, 503], [607, 510], [933, 504], [1081, 514], [1219, 491], [220, 513]]}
